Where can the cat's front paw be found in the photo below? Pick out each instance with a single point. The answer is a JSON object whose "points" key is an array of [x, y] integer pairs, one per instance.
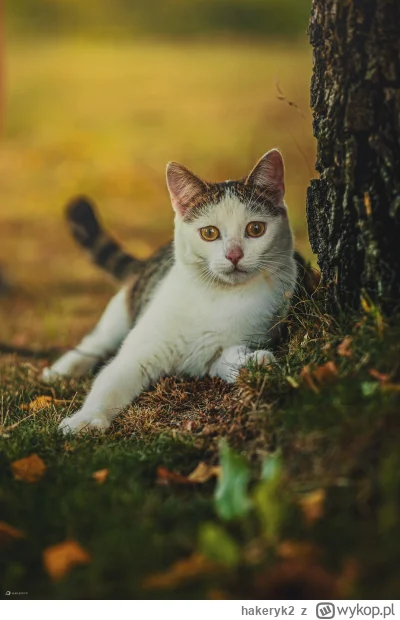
{"points": [[261, 357], [49, 375], [81, 422]]}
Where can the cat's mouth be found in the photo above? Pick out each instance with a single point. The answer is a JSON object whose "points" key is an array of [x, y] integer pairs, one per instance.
{"points": [[235, 275]]}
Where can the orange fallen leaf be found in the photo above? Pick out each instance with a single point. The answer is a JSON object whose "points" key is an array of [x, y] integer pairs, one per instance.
{"points": [[181, 572], [29, 469], [199, 475], [312, 505], [390, 387], [380, 376], [344, 348], [306, 375], [100, 476], [203, 472], [165, 476], [8, 533], [59, 559], [293, 549], [42, 402], [326, 373]]}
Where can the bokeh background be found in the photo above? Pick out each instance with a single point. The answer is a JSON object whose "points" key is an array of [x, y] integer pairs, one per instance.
{"points": [[98, 96]]}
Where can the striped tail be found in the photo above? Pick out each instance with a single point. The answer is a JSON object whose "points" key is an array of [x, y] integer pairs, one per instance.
{"points": [[103, 249]]}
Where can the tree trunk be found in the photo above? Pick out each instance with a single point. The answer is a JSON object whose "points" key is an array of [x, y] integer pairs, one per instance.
{"points": [[353, 209]]}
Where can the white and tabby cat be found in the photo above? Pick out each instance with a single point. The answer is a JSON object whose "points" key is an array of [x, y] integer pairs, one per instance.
{"points": [[204, 304]]}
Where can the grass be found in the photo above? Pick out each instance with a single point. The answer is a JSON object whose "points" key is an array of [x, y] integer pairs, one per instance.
{"points": [[309, 510], [308, 500]]}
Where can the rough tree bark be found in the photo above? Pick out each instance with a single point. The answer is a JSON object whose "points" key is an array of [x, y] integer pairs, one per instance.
{"points": [[353, 209]]}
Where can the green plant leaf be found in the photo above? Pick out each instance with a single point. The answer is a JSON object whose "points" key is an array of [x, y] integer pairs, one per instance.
{"points": [[231, 497], [216, 544], [269, 498]]}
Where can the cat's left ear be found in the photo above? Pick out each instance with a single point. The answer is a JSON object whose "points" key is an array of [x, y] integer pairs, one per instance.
{"points": [[184, 187], [269, 175]]}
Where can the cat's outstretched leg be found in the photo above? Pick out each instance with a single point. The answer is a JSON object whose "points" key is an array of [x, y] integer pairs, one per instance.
{"points": [[234, 358], [102, 342], [142, 359]]}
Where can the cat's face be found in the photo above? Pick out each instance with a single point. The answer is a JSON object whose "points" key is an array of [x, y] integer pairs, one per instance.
{"points": [[234, 230]]}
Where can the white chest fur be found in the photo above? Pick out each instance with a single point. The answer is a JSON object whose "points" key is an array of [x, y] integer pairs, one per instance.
{"points": [[192, 321]]}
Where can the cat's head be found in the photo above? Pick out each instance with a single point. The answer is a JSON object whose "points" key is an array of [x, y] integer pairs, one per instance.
{"points": [[234, 230]]}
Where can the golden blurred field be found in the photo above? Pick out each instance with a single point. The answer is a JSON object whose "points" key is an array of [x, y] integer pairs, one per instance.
{"points": [[103, 119]]}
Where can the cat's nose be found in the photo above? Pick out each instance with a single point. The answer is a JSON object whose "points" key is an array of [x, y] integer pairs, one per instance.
{"points": [[234, 255]]}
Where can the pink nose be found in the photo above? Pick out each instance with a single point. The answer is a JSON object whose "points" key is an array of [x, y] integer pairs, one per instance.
{"points": [[234, 255]]}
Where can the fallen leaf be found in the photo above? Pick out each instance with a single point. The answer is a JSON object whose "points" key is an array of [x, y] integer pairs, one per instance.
{"points": [[326, 373], [9, 533], [380, 376], [165, 476], [29, 469], [59, 559], [182, 571], [42, 402], [308, 379], [293, 549], [312, 505], [344, 348], [367, 204], [204, 472], [100, 476], [390, 387]]}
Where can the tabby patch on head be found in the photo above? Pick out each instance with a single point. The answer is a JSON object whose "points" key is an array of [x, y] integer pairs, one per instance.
{"points": [[233, 230]]}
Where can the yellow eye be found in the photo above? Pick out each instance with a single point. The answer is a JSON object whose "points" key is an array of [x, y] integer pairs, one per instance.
{"points": [[255, 229], [209, 233]]}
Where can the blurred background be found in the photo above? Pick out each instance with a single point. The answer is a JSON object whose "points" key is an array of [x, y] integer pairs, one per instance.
{"points": [[98, 96]]}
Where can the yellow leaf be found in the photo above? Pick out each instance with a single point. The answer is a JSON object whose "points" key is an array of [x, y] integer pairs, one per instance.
{"points": [[203, 472], [59, 559], [365, 305], [100, 476], [29, 469], [367, 203], [42, 402], [312, 505]]}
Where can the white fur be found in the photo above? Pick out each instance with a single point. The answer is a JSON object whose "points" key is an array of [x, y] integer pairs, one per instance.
{"points": [[204, 316]]}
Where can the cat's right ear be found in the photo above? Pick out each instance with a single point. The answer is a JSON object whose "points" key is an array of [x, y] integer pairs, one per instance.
{"points": [[184, 187]]}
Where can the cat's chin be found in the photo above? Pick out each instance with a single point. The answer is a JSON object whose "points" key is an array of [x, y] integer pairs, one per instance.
{"points": [[234, 276]]}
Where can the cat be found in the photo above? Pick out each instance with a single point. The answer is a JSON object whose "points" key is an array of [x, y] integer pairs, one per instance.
{"points": [[205, 304]]}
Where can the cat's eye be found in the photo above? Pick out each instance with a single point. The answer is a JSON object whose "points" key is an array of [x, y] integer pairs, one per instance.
{"points": [[209, 233], [255, 229]]}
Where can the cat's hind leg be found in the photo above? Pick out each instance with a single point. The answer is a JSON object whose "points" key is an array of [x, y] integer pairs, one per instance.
{"points": [[228, 365], [103, 341]]}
